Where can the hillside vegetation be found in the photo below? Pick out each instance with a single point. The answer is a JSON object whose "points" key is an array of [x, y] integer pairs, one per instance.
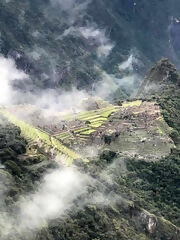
{"points": [[135, 198], [112, 171], [36, 36]]}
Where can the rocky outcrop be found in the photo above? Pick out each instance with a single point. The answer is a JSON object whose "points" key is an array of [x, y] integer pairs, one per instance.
{"points": [[158, 227]]}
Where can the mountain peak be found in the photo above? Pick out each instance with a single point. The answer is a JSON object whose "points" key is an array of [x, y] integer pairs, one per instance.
{"points": [[163, 72]]}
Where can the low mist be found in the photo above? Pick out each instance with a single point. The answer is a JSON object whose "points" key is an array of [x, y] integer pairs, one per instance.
{"points": [[60, 100], [99, 38], [60, 191], [53, 198], [126, 77], [8, 74]]}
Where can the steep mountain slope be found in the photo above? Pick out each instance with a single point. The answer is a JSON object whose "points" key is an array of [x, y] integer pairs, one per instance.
{"points": [[162, 84], [135, 24], [102, 171], [125, 196], [60, 44], [160, 75]]}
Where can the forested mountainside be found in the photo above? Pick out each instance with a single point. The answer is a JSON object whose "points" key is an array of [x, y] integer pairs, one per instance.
{"points": [[60, 44], [123, 176], [89, 137]]}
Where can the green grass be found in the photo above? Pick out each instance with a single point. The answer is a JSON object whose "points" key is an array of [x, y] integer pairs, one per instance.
{"points": [[96, 124], [81, 130], [108, 113], [132, 104], [99, 111], [99, 119], [64, 136], [95, 117], [88, 132], [94, 114], [163, 127], [65, 150], [90, 118], [87, 116], [29, 132]]}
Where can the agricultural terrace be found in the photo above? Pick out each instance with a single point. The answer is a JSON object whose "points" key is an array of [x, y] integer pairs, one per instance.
{"points": [[33, 134], [91, 122]]}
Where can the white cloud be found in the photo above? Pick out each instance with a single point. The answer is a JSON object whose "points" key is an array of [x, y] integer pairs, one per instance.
{"points": [[8, 73], [93, 33], [109, 83], [94, 36], [106, 86], [128, 64], [66, 101], [58, 193], [55, 196], [104, 50], [99, 37]]}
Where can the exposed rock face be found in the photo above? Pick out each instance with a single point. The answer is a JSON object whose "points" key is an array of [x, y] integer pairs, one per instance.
{"points": [[158, 227], [162, 72]]}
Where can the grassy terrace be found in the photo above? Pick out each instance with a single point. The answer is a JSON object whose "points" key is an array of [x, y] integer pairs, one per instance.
{"points": [[98, 112], [64, 135], [162, 127], [97, 116], [95, 119], [132, 104], [88, 132], [32, 134]]}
